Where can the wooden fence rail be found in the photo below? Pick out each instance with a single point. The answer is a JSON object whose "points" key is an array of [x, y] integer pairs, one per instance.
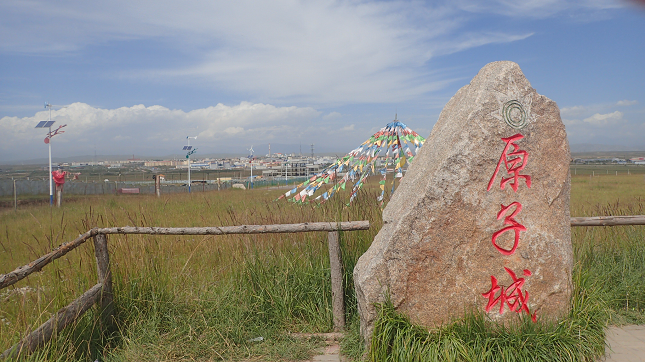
{"points": [[102, 294], [36, 265], [608, 220], [58, 321]]}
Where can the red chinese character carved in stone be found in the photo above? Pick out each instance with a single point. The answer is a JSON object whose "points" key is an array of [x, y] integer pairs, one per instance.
{"points": [[511, 296], [514, 162], [515, 226]]}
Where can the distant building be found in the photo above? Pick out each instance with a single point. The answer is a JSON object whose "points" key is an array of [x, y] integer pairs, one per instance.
{"points": [[169, 163], [295, 168], [199, 165]]}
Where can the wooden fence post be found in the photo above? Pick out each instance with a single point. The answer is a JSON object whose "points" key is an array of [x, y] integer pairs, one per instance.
{"points": [[59, 195], [106, 301], [337, 292], [158, 186]]}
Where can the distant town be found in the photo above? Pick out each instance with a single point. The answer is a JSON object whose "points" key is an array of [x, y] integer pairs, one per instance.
{"points": [[610, 161], [276, 166], [269, 166]]}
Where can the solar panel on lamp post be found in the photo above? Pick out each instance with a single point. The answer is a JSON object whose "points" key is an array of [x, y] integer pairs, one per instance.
{"points": [[190, 152], [48, 124]]}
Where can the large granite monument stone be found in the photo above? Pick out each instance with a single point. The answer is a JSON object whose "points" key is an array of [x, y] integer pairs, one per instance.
{"points": [[481, 219]]}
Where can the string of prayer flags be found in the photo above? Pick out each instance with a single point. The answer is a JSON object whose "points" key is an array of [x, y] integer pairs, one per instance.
{"points": [[400, 144]]}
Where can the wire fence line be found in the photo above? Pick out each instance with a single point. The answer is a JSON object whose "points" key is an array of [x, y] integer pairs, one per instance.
{"points": [[41, 187]]}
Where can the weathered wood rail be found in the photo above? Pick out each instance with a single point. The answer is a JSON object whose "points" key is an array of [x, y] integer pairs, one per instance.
{"points": [[608, 220], [102, 294]]}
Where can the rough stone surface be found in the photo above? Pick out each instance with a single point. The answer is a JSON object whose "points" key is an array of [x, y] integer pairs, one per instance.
{"points": [[435, 254]]}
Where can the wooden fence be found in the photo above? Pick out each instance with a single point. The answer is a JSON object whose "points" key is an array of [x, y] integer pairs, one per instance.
{"points": [[102, 293]]}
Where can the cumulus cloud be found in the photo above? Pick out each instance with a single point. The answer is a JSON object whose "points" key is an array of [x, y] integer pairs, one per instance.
{"points": [[626, 103], [332, 115], [603, 124], [571, 122], [604, 119], [154, 130], [573, 111], [597, 109], [596, 119]]}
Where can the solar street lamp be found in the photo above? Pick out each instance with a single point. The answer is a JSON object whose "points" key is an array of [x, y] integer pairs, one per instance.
{"points": [[251, 162], [190, 150], [48, 124]]}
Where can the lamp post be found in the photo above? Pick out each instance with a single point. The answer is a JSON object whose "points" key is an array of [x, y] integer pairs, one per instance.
{"points": [[190, 152], [48, 124], [251, 162]]}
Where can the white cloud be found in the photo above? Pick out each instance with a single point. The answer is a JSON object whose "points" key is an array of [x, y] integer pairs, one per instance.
{"points": [[348, 128], [472, 40], [155, 130], [604, 119], [626, 103], [573, 111], [587, 110], [332, 115], [602, 124], [571, 122], [313, 52], [230, 131], [537, 8]]}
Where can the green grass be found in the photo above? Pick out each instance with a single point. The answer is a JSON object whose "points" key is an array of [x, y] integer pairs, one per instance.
{"points": [[182, 297], [609, 289], [206, 297], [578, 337]]}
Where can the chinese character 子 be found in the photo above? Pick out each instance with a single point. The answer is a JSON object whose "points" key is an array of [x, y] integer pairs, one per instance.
{"points": [[511, 296], [515, 226], [514, 161]]}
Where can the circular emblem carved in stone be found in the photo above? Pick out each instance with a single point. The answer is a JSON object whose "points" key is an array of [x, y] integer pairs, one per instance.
{"points": [[514, 114]]}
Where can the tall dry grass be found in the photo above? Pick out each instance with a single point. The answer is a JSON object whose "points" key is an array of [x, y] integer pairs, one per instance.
{"points": [[609, 288], [210, 298], [182, 296]]}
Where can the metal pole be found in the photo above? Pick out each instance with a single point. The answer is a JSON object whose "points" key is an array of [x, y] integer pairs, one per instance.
{"points": [[15, 196], [188, 165], [51, 186]]}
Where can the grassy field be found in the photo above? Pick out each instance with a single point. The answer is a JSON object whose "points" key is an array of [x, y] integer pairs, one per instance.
{"points": [[210, 298], [178, 298]]}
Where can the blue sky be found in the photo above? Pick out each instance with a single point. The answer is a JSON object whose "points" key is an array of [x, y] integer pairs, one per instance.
{"points": [[138, 77]]}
